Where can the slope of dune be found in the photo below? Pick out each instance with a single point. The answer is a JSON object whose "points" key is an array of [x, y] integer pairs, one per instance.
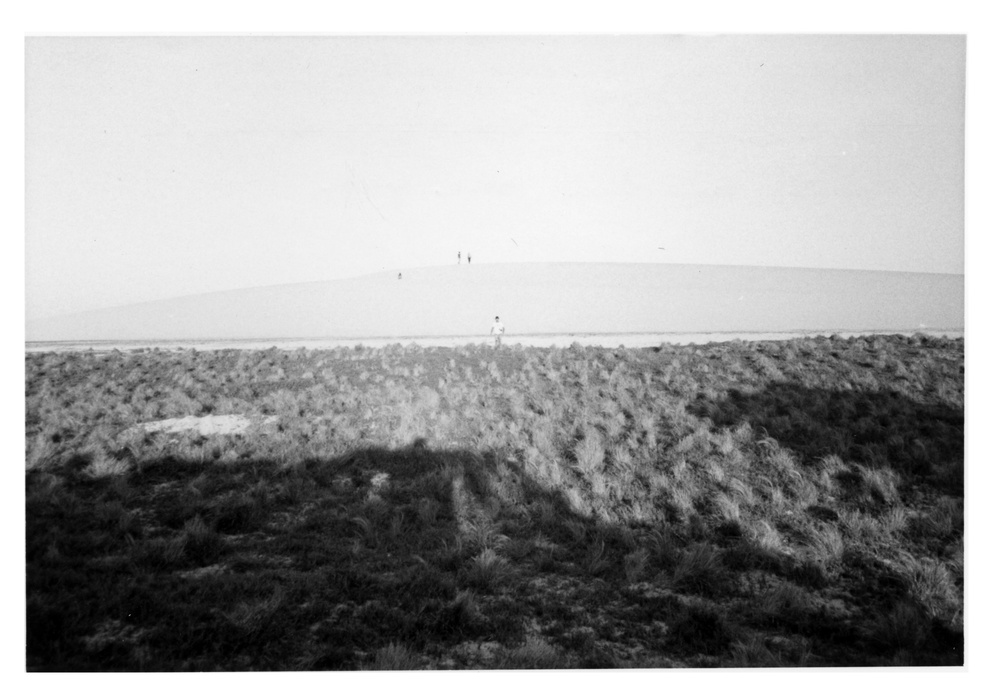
{"points": [[538, 298]]}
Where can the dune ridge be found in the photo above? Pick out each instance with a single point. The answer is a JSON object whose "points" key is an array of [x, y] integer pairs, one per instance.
{"points": [[538, 298]]}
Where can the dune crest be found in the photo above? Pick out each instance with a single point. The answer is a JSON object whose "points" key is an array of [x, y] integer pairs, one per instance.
{"points": [[539, 298]]}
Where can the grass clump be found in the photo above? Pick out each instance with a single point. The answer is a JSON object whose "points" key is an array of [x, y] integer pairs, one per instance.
{"points": [[104, 466], [487, 570], [699, 569], [394, 657], [535, 653]]}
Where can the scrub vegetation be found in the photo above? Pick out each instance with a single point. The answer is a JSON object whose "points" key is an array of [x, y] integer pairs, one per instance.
{"points": [[795, 503]]}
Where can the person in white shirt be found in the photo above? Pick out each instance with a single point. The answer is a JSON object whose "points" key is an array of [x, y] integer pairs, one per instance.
{"points": [[496, 331]]}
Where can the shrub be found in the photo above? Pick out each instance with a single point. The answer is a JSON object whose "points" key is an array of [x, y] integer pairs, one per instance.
{"points": [[861, 526], [41, 453], [535, 653], [427, 510], [784, 603], [826, 546], [103, 466], [484, 535], [158, 553], [702, 629], [931, 585], [895, 520], [394, 657], [202, 544], [753, 653], [944, 520], [251, 617], [43, 487], [635, 565], [595, 562], [487, 570], [577, 503], [715, 471], [905, 626], [728, 508], [699, 569], [590, 452], [766, 536], [881, 484], [622, 461], [461, 616], [237, 513], [742, 492]]}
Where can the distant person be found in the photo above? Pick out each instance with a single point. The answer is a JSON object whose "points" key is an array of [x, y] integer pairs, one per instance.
{"points": [[400, 276], [459, 257], [497, 331], [470, 258]]}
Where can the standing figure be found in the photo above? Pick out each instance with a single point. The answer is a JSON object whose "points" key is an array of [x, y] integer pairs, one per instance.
{"points": [[459, 257], [469, 258], [497, 331], [400, 276]]}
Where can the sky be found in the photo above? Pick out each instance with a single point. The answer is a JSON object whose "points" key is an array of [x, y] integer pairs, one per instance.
{"points": [[165, 166]]}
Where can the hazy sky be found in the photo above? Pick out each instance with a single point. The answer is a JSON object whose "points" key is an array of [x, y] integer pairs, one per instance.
{"points": [[157, 167]]}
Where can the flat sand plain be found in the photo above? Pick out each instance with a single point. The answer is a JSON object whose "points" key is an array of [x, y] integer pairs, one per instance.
{"points": [[604, 340], [538, 299]]}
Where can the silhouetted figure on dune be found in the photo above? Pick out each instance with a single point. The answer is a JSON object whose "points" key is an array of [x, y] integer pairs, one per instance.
{"points": [[470, 258], [459, 257]]}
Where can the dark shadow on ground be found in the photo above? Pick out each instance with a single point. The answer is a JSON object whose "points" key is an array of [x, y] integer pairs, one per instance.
{"points": [[456, 555], [882, 428]]}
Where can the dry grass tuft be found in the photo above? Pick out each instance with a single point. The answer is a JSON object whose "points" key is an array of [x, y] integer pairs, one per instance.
{"points": [[394, 657], [103, 466]]}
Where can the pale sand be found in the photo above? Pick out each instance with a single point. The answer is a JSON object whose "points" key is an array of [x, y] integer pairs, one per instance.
{"points": [[610, 340], [207, 425], [537, 299]]}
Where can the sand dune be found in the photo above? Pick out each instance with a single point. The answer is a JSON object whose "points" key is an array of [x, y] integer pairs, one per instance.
{"points": [[539, 298]]}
